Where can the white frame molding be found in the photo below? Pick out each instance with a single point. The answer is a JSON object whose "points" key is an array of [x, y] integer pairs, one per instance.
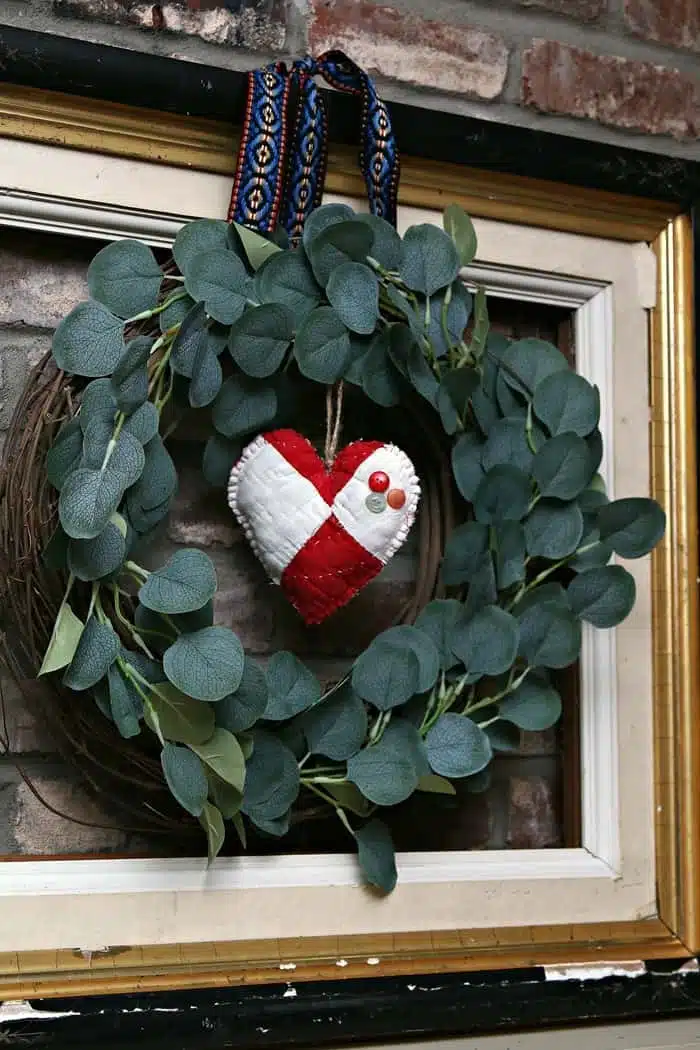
{"points": [[610, 285]]}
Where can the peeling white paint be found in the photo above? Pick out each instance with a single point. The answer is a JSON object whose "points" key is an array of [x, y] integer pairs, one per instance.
{"points": [[288, 966], [691, 966], [341, 962], [291, 993], [263, 1031], [22, 1010], [582, 972], [373, 961], [411, 987]]}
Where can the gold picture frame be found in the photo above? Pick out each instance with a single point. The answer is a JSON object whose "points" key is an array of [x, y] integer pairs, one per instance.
{"points": [[674, 932]]}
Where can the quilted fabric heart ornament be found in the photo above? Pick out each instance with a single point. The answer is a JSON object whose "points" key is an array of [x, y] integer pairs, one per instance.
{"points": [[322, 532]]}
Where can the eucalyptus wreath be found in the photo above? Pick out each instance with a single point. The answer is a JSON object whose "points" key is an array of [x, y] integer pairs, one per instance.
{"points": [[528, 563]]}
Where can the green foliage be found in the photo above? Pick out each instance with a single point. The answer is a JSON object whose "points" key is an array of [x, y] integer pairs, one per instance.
{"points": [[186, 582], [291, 687], [99, 557], [125, 277], [399, 662], [550, 634], [347, 241], [566, 402], [466, 463], [375, 852], [205, 664], [130, 377], [272, 778], [64, 640], [243, 708], [223, 754], [457, 747], [97, 650], [88, 500], [256, 249], [197, 238], [438, 621], [176, 717], [322, 348], [603, 596], [220, 454], [553, 530], [487, 642], [503, 494], [562, 467], [89, 341], [527, 362], [631, 526], [219, 280], [535, 705], [260, 340], [353, 290], [185, 776], [388, 771], [243, 406], [429, 259], [125, 703], [65, 454], [336, 727], [212, 821], [460, 228], [287, 279]]}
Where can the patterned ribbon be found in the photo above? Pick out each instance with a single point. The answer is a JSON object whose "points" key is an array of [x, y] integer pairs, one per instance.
{"points": [[272, 188]]}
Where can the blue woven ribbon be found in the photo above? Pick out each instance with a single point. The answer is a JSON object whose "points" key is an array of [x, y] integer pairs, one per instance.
{"points": [[279, 178]]}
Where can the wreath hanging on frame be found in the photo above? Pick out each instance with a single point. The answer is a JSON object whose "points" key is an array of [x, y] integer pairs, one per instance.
{"points": [[242, 325]]}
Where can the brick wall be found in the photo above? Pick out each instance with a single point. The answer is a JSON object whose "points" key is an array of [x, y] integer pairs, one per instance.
{"points": [[626, 71], [42, 277]]}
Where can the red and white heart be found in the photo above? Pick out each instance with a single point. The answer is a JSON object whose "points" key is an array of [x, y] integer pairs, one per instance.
{"points": [[322, 533]]}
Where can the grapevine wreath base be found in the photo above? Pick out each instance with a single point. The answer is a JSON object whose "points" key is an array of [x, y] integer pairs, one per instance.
{"points": [[159, 708]]}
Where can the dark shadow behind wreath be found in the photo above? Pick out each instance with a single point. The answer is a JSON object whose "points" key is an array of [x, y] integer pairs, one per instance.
{"points": [[125, 775]]}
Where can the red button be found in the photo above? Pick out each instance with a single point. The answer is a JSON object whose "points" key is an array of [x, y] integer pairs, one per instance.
{"points": [[379, 481], [396, 499]]}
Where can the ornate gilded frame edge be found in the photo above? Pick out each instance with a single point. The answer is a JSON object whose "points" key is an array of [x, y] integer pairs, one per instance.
{"points": [[179, 141]]}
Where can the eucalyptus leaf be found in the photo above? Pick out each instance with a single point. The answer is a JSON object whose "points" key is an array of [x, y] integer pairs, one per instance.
{"points": [[386, 243], [97, 650], [65, 454], [176, 311], [130, 377], [88, 500], [508, 443], [399, 662], [98, 401], [603, 596], [553, 530], [375, 853], [502, 495], [534, 706], [466, 463], [186, 582], [125, 277], [143, 424], [219, 280], [198, 237], [336, 727], [158, 481], [438, 620], [527, 362], [212, 821], [429, 259], [96, 558], [206, 664], [222, 753], [110, 452], [185, 776], [126, 706], [550, 635], [347, 241], [388, 772], [257, 249], [89, 341], [287, 279], [460, 228], [272, 777], [482, 586], [243, 406], [566, 402], [631, 526], [242, 709], [64, 640], [432, 784], [449, 315], [486, 642], [464, 551], [380, 380], [353, 291], [510, 549], [457, 747], [323, 218], [562, 467], [260, 340], [177, 717], [410, 360], [322, 347], [291, 687]]}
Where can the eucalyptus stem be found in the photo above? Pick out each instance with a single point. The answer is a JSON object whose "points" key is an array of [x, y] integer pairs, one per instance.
{"points": [[131, 628]]}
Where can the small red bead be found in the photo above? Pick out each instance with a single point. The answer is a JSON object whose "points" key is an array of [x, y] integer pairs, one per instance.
{"points": [[396, 499], [379, 481]]}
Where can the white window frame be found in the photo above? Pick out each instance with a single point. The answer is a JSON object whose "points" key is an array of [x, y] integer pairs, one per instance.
{"points": [[87, 904]]}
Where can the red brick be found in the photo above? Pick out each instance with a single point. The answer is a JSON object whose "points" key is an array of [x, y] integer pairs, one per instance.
{"points": [[404, 47], [581, 10], [674, 22], [619, 92]]}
